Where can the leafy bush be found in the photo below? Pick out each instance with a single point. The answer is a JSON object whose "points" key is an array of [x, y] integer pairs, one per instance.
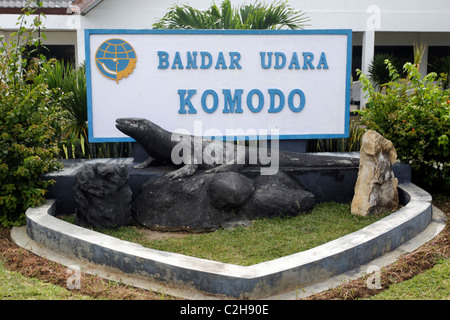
{"points": [[28, 118], [414, 113]]}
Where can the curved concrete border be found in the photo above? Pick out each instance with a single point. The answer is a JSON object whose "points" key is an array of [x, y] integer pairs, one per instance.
{"points": [[255, 281]]}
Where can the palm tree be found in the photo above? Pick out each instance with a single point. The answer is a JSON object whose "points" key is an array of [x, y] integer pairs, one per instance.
{"points": [[278, 15], [442, 67], [378, 69]]}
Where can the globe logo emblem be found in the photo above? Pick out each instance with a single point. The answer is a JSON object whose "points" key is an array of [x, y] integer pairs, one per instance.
{"points": [[115, 59]]}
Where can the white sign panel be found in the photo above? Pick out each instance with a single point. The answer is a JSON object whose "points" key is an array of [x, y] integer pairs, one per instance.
{"points": [[228, 81]]}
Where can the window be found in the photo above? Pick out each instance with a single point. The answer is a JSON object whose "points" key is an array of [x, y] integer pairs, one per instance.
{"points": [[64, 53]]}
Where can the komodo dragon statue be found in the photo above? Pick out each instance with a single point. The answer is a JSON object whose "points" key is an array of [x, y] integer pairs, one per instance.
{"points": [[160, 145]]}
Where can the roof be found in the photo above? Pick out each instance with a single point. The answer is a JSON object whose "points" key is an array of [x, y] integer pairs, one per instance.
{"points": [[84, 6], [50, 6]]}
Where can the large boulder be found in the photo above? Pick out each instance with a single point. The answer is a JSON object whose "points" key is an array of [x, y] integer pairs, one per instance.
{"points": [[206, 202], [103, 196], [179, 204], [278, 195], [376, 187], [229, 190]]}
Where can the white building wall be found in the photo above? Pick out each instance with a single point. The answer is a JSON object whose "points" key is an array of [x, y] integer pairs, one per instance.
{"points": [[358, 15], [374, 22]]}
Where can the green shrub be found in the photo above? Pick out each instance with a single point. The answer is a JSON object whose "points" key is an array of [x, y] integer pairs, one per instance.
{"points": [[28, 118], [27, 126], [414, 113]]}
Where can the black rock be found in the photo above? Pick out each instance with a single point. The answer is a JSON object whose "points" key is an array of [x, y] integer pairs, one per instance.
{"points": [[205, 202], [103, 196], [182, 204], [229, 190], [278, 195]]}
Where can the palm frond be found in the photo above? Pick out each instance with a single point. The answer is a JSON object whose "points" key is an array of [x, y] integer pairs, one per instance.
{"points": [[278, 15]]}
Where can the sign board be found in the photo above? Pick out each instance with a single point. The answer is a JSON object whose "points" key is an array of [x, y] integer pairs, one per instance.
{"points": [[222, 81]]}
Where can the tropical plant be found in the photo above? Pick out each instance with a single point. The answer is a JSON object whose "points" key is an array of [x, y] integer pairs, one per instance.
{"points": [[419, 51], [69, 83], [352, 143], [72, 82], [414, 113], [29, 115], [278, 15], [442, 67], [378, 71]]}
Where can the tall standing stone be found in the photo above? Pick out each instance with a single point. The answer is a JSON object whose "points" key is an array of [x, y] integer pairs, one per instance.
{"points": [[376, 187]]}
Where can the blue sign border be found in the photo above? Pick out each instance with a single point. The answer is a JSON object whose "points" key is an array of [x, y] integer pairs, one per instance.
{"points": [[347, 32]]}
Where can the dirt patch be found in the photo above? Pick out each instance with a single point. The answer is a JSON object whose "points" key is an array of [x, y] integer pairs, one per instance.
{"points": [[15, 258], [160, 235], [443, 203]]}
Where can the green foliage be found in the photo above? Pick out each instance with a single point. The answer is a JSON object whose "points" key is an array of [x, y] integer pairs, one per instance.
{"points": [[378, 71], [72, 82], [414, 113], [253, 16], [69, 85], [352, 143], [28, 119], [419, 51], [13, 49], [442, 68]]}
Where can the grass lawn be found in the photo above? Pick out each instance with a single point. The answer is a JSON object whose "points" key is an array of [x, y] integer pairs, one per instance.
{"points": [[263, 240], [15, 286], [40, 279], [433, 284]]}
